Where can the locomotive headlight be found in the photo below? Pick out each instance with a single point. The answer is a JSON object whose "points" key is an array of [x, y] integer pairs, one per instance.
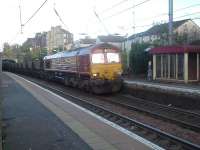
{"points": [[94, 74], [119, 72]]}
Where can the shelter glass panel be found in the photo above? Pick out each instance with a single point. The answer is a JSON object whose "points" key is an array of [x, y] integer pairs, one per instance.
{"points": [[173, 66], [165, 66], [158, 66], [180, 66], [192, 66]]}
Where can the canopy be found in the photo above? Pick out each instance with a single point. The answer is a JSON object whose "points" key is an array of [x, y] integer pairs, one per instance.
{"points": [[175, 49]]}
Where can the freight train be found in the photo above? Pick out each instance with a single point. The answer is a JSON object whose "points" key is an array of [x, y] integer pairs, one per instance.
{"points": [[95, 68]]}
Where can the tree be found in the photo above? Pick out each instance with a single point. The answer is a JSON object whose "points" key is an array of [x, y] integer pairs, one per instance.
{"points": [[7, 51], [124, 59], [139, 58]]}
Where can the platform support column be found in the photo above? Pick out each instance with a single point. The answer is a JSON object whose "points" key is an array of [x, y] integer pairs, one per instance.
{"points": [[176, 66], [197, 66], [154, 67], [161, 66], [186, 67], [169, 71]]}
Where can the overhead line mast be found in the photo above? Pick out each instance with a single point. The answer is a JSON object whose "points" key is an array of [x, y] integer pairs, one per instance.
{"points": [[170, 22], [20, 13]]}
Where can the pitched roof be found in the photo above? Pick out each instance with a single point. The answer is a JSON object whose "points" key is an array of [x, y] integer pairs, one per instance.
{"points": [[158, 29], [87, 41], [111, 38], [65, 31]]}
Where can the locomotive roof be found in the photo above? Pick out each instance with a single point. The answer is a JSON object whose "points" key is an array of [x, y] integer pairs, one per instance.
{"points": [[80, 51]]}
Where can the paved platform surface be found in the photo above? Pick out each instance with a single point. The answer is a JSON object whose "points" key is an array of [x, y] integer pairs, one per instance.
{"points": [[31, 126], [169, 87], [38, 119]]}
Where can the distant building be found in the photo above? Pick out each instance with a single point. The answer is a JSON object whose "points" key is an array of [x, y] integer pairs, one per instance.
{"points": [[30, 42], [118, 41], [37, 42], [59, 39], [41, 40], [84, 42], [185, 31]]}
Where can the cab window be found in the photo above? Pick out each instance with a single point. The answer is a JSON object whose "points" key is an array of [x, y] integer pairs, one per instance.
{"points": [[98, 58], [113, 57]]}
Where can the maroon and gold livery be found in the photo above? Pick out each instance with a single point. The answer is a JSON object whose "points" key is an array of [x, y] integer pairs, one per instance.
{"points": [[97, 68]]}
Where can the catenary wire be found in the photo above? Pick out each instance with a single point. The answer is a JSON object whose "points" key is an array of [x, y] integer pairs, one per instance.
{"points": [[122, 11], [35, 12]]}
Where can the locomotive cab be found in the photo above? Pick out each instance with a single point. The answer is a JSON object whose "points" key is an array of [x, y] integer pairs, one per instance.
{"points": [[106, 69]]}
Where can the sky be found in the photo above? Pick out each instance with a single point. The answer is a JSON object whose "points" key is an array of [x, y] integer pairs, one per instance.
{"points": [[80, 19]]}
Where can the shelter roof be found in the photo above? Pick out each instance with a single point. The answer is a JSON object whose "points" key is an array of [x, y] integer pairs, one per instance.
{"points": [[175, 49]]}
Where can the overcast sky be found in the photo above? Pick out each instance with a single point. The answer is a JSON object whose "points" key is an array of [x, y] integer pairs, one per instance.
{"points": [[79, 17]]}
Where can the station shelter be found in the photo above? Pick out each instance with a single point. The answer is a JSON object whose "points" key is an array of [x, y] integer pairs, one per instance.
{"points": [[176, 63]]}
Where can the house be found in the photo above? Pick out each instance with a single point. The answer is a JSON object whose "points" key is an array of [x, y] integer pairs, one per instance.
{"points": [[176, 63], [184, 32], [115, 40], [59, 39]]}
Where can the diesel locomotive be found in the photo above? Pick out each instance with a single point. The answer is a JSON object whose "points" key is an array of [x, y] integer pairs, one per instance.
{"points": [[95, 68]]}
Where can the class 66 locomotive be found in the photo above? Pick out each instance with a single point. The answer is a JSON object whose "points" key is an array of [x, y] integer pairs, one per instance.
{"points": [[97, 68]]}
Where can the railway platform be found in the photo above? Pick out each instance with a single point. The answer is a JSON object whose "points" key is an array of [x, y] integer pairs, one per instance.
{"points": [[37, 119], [186, 96], [167, 87]]}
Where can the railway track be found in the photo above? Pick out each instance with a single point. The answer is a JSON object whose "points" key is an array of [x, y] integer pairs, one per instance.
{"points": [[183, 118], [157, 136]]}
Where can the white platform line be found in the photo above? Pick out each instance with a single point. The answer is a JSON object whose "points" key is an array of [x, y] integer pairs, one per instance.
{"points": [[123, 130]]}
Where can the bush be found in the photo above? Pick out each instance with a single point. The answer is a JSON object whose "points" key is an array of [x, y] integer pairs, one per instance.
{"points": [[139, 58], [124, 60]]}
